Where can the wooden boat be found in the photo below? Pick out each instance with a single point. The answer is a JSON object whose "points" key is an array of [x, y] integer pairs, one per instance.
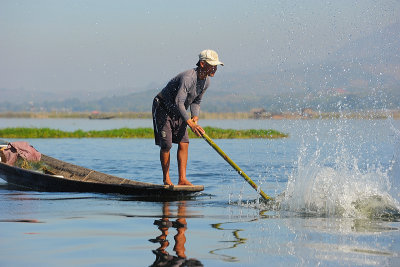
{"points": [[96, 115], [100, 117], [60, 176]]}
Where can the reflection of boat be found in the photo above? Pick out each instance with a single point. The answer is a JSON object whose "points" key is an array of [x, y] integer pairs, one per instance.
{"points": [[59, 176]]}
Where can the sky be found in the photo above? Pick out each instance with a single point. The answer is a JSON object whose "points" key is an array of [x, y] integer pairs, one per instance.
{"points": [[98, 45]]}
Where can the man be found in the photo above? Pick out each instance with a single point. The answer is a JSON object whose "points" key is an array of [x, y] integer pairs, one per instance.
{"points": [[170, 119]]}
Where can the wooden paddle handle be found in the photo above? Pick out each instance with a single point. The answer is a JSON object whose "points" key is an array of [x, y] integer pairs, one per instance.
{"points": [[235, 166]]}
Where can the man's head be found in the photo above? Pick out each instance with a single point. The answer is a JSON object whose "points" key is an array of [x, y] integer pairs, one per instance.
{"points": [[210, 56], [208, 62]]}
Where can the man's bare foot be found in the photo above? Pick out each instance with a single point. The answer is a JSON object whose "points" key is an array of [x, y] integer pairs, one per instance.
{"points": [[185, 182], [167, 181]]}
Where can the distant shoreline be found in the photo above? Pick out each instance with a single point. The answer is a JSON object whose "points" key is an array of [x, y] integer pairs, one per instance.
{"points": [[374, 114]]}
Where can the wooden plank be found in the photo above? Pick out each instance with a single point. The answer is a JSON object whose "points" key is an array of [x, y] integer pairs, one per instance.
{"points": [[183, 188]]}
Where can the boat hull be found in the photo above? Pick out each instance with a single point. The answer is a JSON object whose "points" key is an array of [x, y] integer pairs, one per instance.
{"points": [[72, 178]]}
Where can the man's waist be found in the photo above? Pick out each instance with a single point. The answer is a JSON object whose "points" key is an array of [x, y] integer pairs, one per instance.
{"points": [[171, 109], [160, 96], [161, 102]]}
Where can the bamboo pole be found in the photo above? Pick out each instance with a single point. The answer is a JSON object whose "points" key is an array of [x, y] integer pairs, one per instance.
{"points": [[235, 166]]}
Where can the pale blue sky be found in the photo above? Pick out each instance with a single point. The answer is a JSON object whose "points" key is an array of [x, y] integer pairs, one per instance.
{"points": [[95, 45]]}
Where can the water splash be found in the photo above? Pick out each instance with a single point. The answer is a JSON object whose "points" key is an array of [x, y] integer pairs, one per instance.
{"points": [[395, 164], [339, 173]]}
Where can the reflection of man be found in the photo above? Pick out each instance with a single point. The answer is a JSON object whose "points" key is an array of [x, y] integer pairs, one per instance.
{"points": [[162, 256], [170, 119]]}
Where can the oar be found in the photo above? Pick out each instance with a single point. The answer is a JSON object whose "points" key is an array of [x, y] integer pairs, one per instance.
{"points": [[235, 166]]}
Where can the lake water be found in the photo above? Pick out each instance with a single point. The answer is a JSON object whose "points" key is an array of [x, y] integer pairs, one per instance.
{"points": [[336, 183]]}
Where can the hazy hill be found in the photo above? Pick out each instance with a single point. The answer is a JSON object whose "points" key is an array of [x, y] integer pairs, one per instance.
{"points": [[364, 74]]}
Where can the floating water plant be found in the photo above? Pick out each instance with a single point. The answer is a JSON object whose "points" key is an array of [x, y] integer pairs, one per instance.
{"points": [[216, 133]]}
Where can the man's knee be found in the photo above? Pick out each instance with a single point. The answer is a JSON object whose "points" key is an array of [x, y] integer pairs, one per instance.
{"points": [[183, 145], [166, 147]]}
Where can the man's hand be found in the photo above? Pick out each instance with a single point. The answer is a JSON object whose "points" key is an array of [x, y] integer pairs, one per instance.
{"points": [[195, 127], [195, 119]]}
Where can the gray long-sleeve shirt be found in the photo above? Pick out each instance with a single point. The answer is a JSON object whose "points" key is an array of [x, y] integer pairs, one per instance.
{"points": [[183, 91]]}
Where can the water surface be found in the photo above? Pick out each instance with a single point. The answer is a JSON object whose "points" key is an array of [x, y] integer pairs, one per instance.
{"points": [[332, 178]]}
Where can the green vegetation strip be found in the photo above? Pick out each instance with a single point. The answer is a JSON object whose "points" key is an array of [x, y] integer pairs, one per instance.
{"points": [[215, 133]]}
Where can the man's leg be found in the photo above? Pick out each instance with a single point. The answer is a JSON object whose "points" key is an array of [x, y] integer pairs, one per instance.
{"points": [[165, 161], [180, 238], [182, 156]]}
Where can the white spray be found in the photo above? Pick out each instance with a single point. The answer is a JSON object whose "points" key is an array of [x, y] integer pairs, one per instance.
{"points": [[336, 175]]}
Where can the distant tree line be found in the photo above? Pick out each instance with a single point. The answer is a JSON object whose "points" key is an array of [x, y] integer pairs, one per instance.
{"points": [[217, 102]]}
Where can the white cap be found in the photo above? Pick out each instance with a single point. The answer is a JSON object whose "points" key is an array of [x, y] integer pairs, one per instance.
{"points": [[210, 56]]}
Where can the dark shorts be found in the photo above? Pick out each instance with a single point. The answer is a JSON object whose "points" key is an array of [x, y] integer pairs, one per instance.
{"points": [[167, 130]]}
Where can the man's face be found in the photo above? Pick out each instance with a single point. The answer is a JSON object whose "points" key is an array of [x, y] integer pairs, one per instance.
{"points": [[210, 69], [207, 69]]}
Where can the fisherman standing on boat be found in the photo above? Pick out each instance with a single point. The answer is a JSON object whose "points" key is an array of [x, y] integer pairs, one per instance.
{"points": [[170, 118]]}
